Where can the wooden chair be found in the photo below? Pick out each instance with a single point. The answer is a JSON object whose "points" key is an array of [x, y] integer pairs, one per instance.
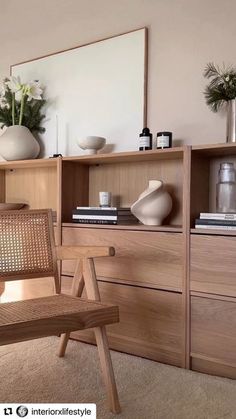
{"points": [[27, 250]]}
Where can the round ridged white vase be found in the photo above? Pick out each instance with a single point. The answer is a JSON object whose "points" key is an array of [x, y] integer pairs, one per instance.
{"points": [[153, 205], [18, 143]]}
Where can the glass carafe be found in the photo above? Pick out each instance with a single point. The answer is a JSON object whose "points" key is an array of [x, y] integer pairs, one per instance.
{"points": [[226, 189]]}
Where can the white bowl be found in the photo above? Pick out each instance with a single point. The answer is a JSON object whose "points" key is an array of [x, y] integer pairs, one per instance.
{"points": [[91, 143]]}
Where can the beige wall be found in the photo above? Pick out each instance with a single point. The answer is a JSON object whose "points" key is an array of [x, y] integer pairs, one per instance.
{"points": [[183, 36]]}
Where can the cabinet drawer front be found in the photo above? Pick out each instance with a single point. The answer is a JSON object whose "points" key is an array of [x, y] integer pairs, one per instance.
{"points": [[141, 257], [150, 324], [213, 330], [213, 265]]}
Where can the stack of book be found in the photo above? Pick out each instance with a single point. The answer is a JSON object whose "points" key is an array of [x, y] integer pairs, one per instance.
{"points": [[103, 215], [216, 221]]}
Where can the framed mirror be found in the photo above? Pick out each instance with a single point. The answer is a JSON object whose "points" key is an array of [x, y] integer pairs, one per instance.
{"points": [[95, 89]]}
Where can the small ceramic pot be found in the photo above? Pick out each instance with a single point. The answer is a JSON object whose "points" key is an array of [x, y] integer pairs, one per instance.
{"points": [[153, 205], [18, 143], [91, 144]]}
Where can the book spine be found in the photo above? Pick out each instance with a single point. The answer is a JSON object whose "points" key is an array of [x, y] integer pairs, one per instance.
{"points": [[94, 217], [215, 222], [97, 208], [94, 221], [215, 227], [215, 216], [101, 212], [94, 212]]}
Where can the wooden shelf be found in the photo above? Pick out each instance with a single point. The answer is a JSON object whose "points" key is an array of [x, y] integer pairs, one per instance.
{"points": [[124, 157], [130, 156], [215, 150], [139, 227], [210, 231], [24, 164]]}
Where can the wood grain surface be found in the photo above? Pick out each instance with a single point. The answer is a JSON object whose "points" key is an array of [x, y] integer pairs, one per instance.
{"points": [[211, 367], [213, 264], [150, 259], [36, 187], [213, 330], [150, 321]]}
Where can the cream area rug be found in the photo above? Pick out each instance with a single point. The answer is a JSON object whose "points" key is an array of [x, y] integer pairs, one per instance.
{"points": [[31, 372]]}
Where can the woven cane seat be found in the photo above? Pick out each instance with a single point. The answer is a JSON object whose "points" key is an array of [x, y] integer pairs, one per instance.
{"points": [[45, 316]]}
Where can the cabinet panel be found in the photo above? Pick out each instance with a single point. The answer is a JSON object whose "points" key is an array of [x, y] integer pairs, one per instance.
{"points": [[155, 259], [213, 368], [36, 187], [213, 330], [150, 325], [213, 264]]}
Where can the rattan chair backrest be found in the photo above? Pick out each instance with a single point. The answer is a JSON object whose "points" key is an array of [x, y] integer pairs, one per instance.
{"points": [[27, 248]]}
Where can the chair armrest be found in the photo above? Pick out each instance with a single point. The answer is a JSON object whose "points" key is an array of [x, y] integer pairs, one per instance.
{"points": [[78, 252]]}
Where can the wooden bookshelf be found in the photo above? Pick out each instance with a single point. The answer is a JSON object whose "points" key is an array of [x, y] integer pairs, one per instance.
{"points": [[212, 269], [171, 282]]}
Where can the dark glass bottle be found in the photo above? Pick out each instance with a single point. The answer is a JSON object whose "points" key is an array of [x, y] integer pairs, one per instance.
{"points": [[145, 140], [164, 139]]}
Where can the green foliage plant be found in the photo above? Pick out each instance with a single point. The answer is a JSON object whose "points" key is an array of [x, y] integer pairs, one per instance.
{"points": [[222, 86]]}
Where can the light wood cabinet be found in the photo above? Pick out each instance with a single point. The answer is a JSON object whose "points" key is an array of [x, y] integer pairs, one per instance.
{"points": [[213, 324], [175, 285], [212, 270], [213, 264], [147, 274], [142, 258], [150, 322]]}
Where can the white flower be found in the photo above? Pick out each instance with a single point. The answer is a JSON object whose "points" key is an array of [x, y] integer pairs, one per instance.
{"points": [[14, 84], [34, 91], [18, 95]]}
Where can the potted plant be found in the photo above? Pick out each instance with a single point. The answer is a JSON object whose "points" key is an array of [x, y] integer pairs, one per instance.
{"points": [[21, 113], [221, 92]]}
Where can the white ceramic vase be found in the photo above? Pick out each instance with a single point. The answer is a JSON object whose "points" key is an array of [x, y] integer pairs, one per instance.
{"points": [[18, 143], [91, 144], [153, 205]]}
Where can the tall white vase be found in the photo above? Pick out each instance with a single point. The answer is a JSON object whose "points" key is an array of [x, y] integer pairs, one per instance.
{"points": [[153, 205], [18, 143]]}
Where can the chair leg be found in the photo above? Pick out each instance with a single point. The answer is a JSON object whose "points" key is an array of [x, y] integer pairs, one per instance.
{"points": [[91, 286], [107, 369], [76, 291]]}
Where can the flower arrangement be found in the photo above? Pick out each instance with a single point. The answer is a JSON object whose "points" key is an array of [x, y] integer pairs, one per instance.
{"points": [[21, 104], [222, 87]]}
